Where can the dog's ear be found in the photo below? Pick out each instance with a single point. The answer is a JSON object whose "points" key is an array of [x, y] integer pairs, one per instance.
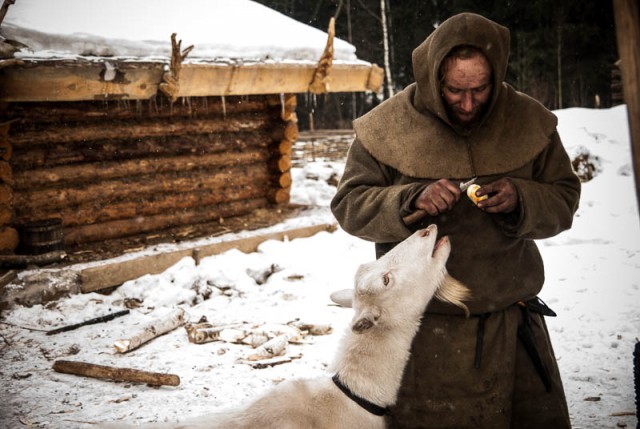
{"points": [[366, 319]]}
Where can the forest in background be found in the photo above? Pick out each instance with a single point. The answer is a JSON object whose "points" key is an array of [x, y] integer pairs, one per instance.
{"points": [[563, 53]]}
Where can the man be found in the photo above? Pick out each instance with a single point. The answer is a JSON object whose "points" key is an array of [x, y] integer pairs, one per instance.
{"points": [[460, 120]]}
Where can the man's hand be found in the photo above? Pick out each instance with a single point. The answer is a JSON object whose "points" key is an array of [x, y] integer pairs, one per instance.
{"points": [[503, 196], [438, 197]]}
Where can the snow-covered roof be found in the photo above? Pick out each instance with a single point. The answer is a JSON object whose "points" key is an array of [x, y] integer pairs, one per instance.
{"points": [[141, 29], [239, 47]]}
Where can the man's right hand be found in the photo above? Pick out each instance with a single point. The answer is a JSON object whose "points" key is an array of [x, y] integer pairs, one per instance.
{"points": [[439, 197]]}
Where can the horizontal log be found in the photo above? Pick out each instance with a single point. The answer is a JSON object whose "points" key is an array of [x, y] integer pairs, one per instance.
{"points": [[16, 261], [287, 104], [127, 168], [291, 131], [6, 214], [116, 374], [7, 195], [193, 107], [281, 163], [6, 173], [105, 211], [73, 81], [144, 224], [280, 196], [151, 330], [52, 154], [9, 239], [6, 150], [284, 180], [284, 147], [136, 187], [144, 128]]}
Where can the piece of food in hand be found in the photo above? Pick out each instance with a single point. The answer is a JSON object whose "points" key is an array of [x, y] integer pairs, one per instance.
{"points": [[471, 193]]}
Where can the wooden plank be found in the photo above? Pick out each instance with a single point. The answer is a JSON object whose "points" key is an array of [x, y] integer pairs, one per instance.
{"points": [[74, 82], [64, 81], [116, 273], [627, 18]]}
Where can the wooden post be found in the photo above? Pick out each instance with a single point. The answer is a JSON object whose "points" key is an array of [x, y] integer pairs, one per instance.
{"points": [[627, 18]]}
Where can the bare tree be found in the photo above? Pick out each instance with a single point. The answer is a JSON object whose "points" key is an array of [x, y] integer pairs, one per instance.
{"points": [[385, 41]]}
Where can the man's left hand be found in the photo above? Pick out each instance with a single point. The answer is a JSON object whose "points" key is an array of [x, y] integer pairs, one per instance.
{"points": [[503, 196]]}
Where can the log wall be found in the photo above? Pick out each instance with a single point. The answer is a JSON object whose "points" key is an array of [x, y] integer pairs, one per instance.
{"points": [[112, 169]]}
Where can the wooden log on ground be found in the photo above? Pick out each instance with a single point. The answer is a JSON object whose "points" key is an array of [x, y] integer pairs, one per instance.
{"points": [[51, 155], [137, 187], [274, 347], [201, 333], [16, 261], [151, 330], [128, 168], [115, 374], [143, 224], [146, 128]]}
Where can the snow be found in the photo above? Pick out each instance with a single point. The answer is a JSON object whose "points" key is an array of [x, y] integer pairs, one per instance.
{"points": [[593, 283], [592, 270], [220, 30]]}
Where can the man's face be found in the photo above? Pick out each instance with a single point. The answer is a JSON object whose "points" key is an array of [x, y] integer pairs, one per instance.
{"points": [[466, 88]]}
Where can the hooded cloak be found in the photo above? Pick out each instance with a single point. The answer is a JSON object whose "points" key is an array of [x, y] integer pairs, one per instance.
{"points": [[468, 372], [408, 142]]}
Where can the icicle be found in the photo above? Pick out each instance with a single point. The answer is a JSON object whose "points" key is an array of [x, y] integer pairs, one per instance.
{"points": [[282, 105], [224, 107]]}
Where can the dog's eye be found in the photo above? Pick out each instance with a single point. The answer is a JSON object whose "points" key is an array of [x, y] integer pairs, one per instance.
{"points": [[385, 279]]}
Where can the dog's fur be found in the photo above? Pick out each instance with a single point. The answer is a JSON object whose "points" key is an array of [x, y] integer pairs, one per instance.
{"points": [[389, 299]]}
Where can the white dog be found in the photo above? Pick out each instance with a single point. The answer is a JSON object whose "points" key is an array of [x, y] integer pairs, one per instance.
{"points": [[389, 299]]}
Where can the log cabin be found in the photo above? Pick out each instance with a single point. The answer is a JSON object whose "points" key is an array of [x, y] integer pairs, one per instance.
{"points": [[102, 147]]}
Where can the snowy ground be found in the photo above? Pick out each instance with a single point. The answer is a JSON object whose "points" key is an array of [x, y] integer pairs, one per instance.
{"points": [[593, 283]]}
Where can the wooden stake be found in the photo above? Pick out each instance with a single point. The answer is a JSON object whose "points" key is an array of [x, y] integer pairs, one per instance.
{"points": [[116, 374], [152, 330], [321, 81]]}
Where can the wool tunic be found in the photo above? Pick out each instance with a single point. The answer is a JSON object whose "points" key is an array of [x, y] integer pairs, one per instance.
{"points": [[468, 372]]}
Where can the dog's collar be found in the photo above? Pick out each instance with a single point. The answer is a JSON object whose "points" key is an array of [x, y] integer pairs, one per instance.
{"points": [[369, 406]]}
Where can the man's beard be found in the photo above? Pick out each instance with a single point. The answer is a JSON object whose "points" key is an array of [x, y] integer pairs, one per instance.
{"points": [[467, 125]]}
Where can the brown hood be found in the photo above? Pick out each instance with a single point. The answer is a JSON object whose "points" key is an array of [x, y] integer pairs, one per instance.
{"points": [[463, 29], [412, 133]]}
